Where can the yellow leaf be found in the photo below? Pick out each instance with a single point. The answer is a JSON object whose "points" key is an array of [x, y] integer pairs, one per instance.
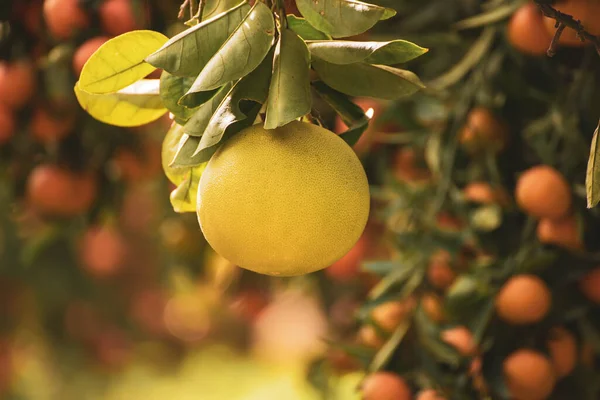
{"points": [[120, 62], [137, 104]]}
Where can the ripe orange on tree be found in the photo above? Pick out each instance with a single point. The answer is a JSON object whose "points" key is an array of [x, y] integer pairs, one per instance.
{"points": [[524, 299], [433, 307], [461, 339], [48, 127], [439, 271], [389, 315], [7, 124], [562, 232], [543, 192], [409, 166], [529, 374], [483, 131], [103, 251], [562, 346], [484, 193], [590, 285], [118, 17], [55, 191], [527, 31], [430, 394], [64, 18], [385, 386], [17, 83]]}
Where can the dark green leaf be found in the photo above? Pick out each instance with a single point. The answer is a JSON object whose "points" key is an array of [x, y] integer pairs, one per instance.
{"points": [[464, 293], [365, 80], [199, 121], [347, 52], [172, 88], [236, 111], [305, 30], [342, 18], [592, 181], [289, 93], [187, 53], [352, 115], [386, 352], [245, 49], [184, 156]]}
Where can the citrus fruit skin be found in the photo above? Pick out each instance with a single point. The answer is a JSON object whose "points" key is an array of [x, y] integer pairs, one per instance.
{"points": [[562, 346], [590, 285], [529, 375], [284, 202], [385, 386], [524, 299], [543, 192], [483, 132]]}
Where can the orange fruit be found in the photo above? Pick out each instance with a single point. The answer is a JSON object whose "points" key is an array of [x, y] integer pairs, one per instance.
{"points": [[368, 336], [117, 17], [563, 351], [483, 131], [52, 190], [7, 124], [248, 304], [524, 299], [47, 127], [135, 167], [385, 386], [32, 18], [527, 31], [433, 307], [585, 11], [85, 51], [439, 272], [590, 286], [543, 192], [529, 375], [484, 193], [409, 166], [388, 316], [461, 339], [17, 83], [103, 251], [430, 394], [64, 18], [562, 232]]}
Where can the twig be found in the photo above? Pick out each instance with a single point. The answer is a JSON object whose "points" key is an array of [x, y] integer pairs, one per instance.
{"points": [[566, 21], [182, 9], [199, 14]]}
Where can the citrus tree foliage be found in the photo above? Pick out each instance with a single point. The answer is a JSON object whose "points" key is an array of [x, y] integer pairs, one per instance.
{"points": [[240, 64]]}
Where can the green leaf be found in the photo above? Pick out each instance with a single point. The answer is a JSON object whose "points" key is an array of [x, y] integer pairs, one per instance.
{"points": [[237, 110], [184, 197], [364, 80], [352, 115], [592, 180], [347, 52], [245, 49], [342, 18], [120, 62], [136, 105], [214, 7], [170, 147], [201, 118], [187, 53], [184, 154], [172, 88], [305, 30], [289, 94]]}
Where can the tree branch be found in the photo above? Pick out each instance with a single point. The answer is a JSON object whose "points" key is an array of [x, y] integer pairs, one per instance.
{"points": [[565, 21]]}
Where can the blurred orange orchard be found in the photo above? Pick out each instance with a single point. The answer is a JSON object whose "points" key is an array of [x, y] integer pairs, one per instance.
{"points": [[529, 374], [64, 18], [17, 83], [118, 17], [543, 192], [524, 299]]}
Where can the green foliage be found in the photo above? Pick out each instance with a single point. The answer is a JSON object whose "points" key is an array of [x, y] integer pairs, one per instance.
{"points": [[347, 52], [593, 172]]}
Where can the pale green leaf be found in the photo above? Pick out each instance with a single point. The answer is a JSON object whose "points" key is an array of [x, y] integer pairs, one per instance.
{"points": [[305, 30], [241, 53], [187, 53], [289, 94], [592, 181], [214, 7], [184, 197], [136, 105], [353, 116], [365, 80], [120, 62], [184, 153], [342, 18], [347, 52], [172, 88], [199, 121], [237, 110], [170, 148]]}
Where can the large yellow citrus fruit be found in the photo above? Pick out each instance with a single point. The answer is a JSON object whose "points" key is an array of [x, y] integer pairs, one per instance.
{"points": [[283, 202]]}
